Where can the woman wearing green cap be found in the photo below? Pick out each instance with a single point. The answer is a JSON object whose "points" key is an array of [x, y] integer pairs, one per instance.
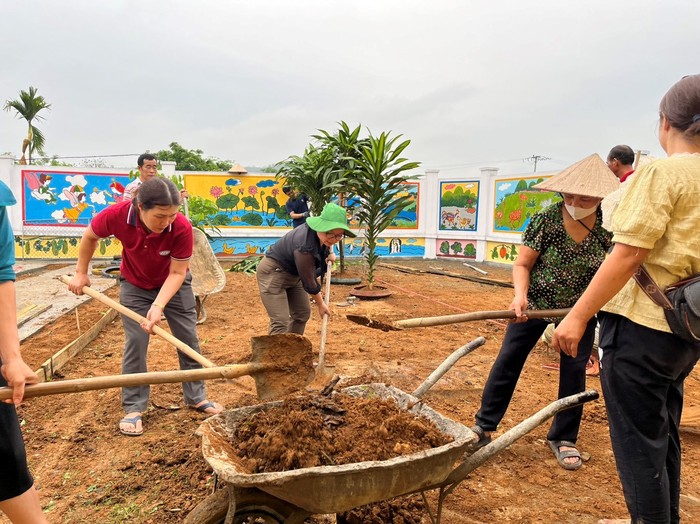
{"points": [[291, 267]]}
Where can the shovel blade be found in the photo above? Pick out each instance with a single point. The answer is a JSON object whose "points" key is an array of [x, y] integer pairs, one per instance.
{"points": [[374, 324], [290, 360]]}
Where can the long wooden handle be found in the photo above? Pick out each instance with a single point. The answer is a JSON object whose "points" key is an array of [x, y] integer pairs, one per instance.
{"points": [[478, 315], [179, 344], [324, 322], [134, 379]]}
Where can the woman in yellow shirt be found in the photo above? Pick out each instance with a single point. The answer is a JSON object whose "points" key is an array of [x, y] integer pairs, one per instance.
{"points": [[644, 364]]}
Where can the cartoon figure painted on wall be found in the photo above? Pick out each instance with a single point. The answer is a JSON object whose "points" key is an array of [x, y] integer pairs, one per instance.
{"points": [[459, 205], [40, 186], [54, 199], [76, 196], [517, 202], [395, 246]]}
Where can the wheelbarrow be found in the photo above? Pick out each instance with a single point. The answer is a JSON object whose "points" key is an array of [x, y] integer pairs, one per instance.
{"points": [[292, 496]]}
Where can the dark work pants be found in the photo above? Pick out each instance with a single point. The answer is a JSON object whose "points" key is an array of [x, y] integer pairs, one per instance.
{"points": [[284, 298], [517, 344], [14, 475], [642, 376], [182, 320]]}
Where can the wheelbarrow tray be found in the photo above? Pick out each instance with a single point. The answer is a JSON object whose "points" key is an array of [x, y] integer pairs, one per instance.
{"points": [[334, 489]]}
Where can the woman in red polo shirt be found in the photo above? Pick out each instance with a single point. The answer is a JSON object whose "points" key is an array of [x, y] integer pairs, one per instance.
{"points": [[157, 244]]}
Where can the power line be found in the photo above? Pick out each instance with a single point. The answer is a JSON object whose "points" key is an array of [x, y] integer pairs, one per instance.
{"points": [[84, 156], [483, 163]]}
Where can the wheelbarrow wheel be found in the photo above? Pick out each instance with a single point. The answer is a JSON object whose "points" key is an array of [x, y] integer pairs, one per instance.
{"points": [[252, 506]]}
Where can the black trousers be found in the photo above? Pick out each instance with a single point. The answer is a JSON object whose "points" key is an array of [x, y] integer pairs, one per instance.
{"points": [[506, 370], [15, 478], [642, 374]]}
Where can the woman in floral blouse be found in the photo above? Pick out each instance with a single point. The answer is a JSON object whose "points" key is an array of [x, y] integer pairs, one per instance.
{"points": [[562, 248]]}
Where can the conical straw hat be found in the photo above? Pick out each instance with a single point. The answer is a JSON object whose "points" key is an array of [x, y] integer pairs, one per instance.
{"points": [[237, 168], [588, 177]]}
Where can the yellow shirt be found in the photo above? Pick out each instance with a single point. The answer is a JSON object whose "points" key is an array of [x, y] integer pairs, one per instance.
{"points": [[660, 211]]}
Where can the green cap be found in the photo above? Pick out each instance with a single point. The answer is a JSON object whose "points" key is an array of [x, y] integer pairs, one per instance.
{"points": [[332, 217]]}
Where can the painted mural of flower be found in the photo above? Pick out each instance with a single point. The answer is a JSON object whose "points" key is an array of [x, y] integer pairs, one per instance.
{"points": [[252, 190], [216, 191]]}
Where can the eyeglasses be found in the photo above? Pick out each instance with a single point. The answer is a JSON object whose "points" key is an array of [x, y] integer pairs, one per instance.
{"points": [[334, 236]]}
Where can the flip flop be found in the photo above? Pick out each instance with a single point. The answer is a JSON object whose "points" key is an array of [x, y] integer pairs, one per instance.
{"points": [[569, 453], [133, 421], [204, 407]]}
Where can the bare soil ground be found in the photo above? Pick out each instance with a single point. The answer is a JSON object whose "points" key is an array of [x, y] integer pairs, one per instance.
{"points": [[86, 471]]}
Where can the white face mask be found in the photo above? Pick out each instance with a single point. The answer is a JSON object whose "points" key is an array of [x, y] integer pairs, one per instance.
{"points": [[577, 213]]}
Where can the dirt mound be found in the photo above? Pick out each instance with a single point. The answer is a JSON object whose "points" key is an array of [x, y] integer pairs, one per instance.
{"points": [[316, 430]]}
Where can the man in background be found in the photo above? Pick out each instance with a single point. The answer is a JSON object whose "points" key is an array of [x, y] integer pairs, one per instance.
{"points": [[621, 161], [297, 206], [148, 168]]}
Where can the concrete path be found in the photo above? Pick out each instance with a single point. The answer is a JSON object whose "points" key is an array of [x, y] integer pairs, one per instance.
{"points": [[42, 298]]}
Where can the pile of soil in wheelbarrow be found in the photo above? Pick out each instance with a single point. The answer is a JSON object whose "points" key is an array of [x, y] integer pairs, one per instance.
{"points": [[311, 431]]}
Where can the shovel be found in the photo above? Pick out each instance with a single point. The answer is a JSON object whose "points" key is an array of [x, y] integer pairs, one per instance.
{"points": [[322, 370], [453, 319], [179, 344], [280, 365]]}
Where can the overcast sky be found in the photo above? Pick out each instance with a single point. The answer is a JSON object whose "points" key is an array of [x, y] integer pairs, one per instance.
{"points": [[471, 83]]}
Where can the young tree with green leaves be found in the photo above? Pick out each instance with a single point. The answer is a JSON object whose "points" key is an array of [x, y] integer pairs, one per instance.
{"points": [[377, 179], [314, 174], [28, 106]]}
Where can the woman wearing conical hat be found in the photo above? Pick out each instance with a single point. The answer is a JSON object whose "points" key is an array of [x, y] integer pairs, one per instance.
{"points": [[561, 250]]}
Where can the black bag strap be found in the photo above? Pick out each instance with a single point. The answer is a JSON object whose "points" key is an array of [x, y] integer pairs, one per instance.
{"points": [[643, 278]]}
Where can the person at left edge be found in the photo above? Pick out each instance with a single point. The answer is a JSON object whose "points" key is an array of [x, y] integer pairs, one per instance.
{"points": [[18, 496], [157, 244]]}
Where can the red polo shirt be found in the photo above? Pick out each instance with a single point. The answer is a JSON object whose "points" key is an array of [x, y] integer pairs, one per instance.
{"points": [[145, 256]]}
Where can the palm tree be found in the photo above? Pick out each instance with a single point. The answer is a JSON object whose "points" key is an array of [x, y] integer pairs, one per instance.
{"points": [[28, 107], [376, 181], [313, 174], [345, 145]]}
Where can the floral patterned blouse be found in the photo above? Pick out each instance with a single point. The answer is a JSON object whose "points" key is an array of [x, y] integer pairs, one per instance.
{"points": [[564, 268]]}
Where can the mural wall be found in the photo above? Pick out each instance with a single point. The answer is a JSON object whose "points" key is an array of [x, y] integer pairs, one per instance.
{"points": [[459, 205], [406, 219], [68, 199], [501, 252], [456, 248], [386, 247], [238, 201], [516, 201]]}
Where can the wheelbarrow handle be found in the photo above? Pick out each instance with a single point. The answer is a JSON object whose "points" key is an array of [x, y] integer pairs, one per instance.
{"points": [[482, 455]]}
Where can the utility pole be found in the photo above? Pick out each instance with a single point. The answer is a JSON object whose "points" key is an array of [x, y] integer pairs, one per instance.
{"points": [[638, 156], [536, 158]]}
